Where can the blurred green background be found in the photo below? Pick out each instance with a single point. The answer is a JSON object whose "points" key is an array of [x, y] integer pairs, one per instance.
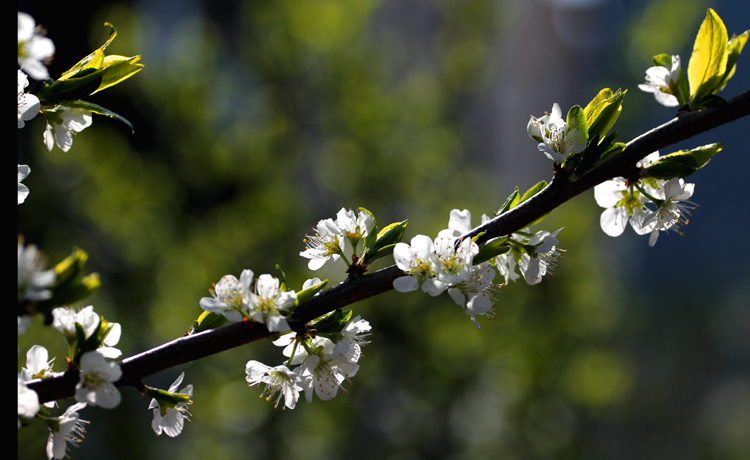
{"points": [[255, 119]]}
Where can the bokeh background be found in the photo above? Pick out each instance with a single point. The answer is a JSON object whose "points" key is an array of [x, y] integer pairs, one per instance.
{"points": [[255, 119]]}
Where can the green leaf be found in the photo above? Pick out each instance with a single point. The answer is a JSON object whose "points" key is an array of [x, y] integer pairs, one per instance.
{"points": [[207, 320], [333, 323], [97, 68], [85, 66], [510, 203], [307, 294], [683, 90], [83, 86], [734, 48], [612, 150], [533, 191], [682, 163], [602, 112], [708, 63], [116, 69], [593, 109], [94, 59], [387, 239], [577, 119], [97, 109], [490, 249]]}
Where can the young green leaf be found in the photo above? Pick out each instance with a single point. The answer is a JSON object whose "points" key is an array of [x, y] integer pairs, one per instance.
{"points": [[116, 69], [682, 163], [533, 191], [602, 112], [307, 294], [207, 320], [734, 48], [97, 109], [510, 203], [387, 239], [577, 119], [490, 249], [708, 63]]}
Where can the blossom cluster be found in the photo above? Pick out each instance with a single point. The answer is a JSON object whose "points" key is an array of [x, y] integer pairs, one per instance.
{"points": [[448, 264], [236, 301], [633, 202], [34, 50], [91, 340], [338, 238], [324, 362]]}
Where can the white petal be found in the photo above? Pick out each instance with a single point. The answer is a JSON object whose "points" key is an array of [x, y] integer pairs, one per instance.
{"points": [[460, 221], [315, 264], [36, 359], [665, 99], [457, 296], [608, 193], [652, 239], [276, 323], [405, 284], [613, 221]]}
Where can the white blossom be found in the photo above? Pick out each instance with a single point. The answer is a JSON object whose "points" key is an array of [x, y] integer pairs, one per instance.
{"points": [[477, 293], [555, 141], [535, 266], [69, 429], [354, 225], [324, 375], [23, 191], [64, 319], [278, 379], [96, 384], [454, 259], [673, 210], [62, 123], [421, 262], [33, 280], [623, 204], [268, 300], [229, 296], [171, 419], [33, 48], [328, 243], [356, 330], [28, 104], [662, 81]]}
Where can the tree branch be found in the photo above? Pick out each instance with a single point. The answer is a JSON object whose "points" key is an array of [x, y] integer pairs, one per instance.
{"points": [[354, 289]]}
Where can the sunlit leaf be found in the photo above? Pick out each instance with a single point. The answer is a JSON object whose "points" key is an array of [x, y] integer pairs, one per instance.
{"points": [[708, 62]]}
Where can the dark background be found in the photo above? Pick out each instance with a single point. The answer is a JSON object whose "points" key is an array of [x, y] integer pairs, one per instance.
{"points": [[255, 119]]}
